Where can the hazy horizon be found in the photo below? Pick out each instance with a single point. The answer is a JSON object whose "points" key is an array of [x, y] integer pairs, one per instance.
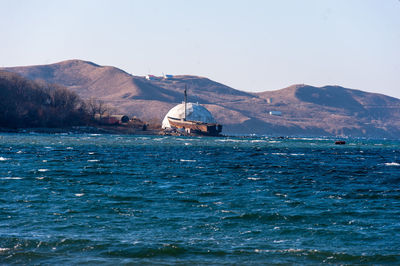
{"points": [[252, 46]]}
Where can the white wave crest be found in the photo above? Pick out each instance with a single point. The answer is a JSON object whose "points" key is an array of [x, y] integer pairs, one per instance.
{"points": [[392, 164]]}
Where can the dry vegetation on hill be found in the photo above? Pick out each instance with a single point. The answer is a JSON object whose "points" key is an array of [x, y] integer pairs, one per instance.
{"points": [[36, 104], [25, 103], [305, 110]]}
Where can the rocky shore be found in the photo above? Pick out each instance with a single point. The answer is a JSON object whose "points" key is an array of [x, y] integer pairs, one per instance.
{"points": [[85, 129]]}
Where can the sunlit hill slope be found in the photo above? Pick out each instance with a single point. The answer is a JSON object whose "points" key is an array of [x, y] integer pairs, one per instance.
{"points": [[298, 109]]}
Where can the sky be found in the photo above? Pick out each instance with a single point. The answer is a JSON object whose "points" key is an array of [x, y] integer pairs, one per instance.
{"points": [[248, 45]]}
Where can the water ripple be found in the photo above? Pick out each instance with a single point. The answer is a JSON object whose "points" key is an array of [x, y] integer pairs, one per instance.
{"points": [[90, 198]]}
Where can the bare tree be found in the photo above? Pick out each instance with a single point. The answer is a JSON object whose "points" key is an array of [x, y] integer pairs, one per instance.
{"points": [[102, 108], [25, 103], [92, 107], [97, 107]]}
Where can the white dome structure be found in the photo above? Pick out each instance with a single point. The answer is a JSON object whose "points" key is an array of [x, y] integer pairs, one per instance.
{"points": [[194, 112]]}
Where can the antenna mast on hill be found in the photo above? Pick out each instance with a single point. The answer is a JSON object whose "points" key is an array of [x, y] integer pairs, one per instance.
{"points": [[185, 101]]}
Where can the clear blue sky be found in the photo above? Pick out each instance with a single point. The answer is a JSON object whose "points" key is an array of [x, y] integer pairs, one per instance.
{"points": [[248, 45]]}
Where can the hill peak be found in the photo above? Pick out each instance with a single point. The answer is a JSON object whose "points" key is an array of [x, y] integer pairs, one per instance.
{"points": [[70, 62], [76, 62], [303, 109]]}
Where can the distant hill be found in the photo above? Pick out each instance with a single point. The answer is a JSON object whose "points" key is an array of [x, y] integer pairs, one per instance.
{"points": [[303, 109]]}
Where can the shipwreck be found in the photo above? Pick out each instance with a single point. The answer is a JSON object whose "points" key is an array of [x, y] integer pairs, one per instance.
{"points": [[191, 119]]}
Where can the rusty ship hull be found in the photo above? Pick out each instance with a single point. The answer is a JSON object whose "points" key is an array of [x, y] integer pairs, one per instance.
{"points": [[196, 127]]}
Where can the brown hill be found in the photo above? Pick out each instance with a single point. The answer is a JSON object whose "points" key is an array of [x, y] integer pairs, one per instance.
{"points": [[305, 110]]}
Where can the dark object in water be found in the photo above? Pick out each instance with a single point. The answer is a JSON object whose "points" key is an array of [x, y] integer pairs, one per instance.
{"points": [[340, 142], [112, 119]]}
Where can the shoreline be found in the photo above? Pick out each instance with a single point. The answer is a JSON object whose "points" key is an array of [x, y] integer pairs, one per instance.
{"points": [[120, 130], [83, 130]]}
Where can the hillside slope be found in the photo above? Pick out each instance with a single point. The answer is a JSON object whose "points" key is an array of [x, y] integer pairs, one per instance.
{"points": [[305, 110]]}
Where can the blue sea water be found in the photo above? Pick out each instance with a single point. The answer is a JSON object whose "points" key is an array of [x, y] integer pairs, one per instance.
{"points": [[106, 199]]}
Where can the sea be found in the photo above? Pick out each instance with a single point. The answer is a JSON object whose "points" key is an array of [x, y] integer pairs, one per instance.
{"points": [[127, 199]]}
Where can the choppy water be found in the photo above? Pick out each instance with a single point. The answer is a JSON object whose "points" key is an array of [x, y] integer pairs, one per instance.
{"points": [[104, 199]]}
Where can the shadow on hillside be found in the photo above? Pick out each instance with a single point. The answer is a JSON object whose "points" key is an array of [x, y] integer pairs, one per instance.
{"points": [[332, 96]]}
